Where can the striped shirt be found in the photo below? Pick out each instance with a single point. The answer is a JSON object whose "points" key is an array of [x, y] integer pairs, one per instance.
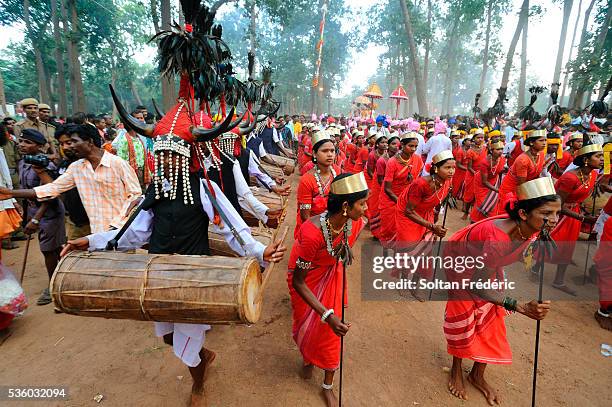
{"points": [[106, 192]]}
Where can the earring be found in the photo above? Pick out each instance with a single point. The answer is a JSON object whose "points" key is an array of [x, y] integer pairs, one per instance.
{"points": [[344, 214]]}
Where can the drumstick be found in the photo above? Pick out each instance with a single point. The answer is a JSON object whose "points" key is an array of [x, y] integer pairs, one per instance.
{"points": [[270, 269]]}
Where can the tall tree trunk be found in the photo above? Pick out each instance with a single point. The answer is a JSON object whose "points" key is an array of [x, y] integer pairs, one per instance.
{"points": [[167, 83], [135, 93], [414, 57], [59, 60], [450, 66], [524, 13], [427, 47], [76, 80], [583, 88], [252, 26], [566, 73], [43, 96], [485, 58], [567, 10], [3, 110], [155, 16], [583, 40], [523, 77]]}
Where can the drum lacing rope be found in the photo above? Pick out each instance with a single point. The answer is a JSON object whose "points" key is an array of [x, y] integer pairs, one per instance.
{"points": [[143, 288]]}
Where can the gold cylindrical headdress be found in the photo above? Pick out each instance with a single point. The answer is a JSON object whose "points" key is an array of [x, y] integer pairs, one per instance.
{"points": [[575, 136], [536, 188], [478, 131], [495, 146], [349, 185], [536, 134], [591, 148], [320, 136], [408, 135], [441, 156]]}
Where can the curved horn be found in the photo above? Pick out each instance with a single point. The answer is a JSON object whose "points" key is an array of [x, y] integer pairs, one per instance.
{"points": [[157, 111], [238, 121], [272, 113], [138, 126], [200, 135], [243, 131]]}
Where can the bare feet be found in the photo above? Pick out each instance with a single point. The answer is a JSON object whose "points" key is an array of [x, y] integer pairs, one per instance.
{"points": [[604, 322], [564, 288], [330, 398], [455, 382], [209, 357], [477, 380], [198, 400], [306, 372]]}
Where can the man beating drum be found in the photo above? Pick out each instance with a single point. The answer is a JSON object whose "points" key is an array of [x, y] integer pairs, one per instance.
{"points": [[174, 219]]}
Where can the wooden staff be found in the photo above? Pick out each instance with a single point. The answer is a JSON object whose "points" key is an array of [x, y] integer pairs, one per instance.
{"points": [[586, 260], [342, 337], [543, 239], [270, 269], [450, 192], [25, 259]]}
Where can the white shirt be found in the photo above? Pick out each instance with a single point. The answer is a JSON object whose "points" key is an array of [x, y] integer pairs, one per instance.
{"points": [[246, 199], [255, 171], [5, 182], [435, 145]]}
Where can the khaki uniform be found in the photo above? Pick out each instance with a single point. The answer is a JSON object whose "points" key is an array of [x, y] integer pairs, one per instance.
{"points": [[47, 130], [12, 159]]}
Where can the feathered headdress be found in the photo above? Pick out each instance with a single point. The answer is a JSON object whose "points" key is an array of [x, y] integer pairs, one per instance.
{"points": [[528, 113]]}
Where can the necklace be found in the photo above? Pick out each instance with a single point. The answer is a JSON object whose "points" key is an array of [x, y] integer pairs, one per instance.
{"points": [[317, 175], [518, 226], [327, 234], [402, 160], [437, 186], [494, 165], [583, 179]]}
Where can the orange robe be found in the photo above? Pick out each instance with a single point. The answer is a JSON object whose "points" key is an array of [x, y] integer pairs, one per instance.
{"points": [[523, 167]]}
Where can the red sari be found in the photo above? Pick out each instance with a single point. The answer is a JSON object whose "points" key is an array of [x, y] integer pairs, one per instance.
{"points": [[303, 159], [319, 345], [566, 233], [374, 197], [412, 236], [523, 167], [351, 158], [372, 186], [400, 175], [461, 156], [361, 159], [561, 165], [475, 328], [603, 265], [474, 157], [309, 196], [485, 200]]}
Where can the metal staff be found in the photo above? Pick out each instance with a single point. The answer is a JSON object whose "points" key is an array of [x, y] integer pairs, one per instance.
{"points": [[446, 201], [586, 260]]}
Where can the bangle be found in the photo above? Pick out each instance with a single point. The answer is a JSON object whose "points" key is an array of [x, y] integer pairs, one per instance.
{"points": [[509, 303], [35, 221], [326, 314]]}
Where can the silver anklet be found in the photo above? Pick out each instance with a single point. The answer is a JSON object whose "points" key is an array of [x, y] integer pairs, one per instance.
{"points": [[327, 386]]}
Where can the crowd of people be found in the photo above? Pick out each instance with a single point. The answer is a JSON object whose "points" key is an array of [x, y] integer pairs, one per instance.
{"points": [[76, 182]]}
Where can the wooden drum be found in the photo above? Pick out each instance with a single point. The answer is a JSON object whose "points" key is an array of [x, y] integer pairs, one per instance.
{"points": [[158, 287], [288, 163], [219, 247], [273, 201]]}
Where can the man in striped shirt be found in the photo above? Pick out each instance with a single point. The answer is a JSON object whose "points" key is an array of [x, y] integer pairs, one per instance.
{"points": [[106, 184]]}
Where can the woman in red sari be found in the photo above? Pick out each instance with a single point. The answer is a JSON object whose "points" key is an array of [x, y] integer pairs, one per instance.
{"points": [[361, 154], [474, 319], [314, 185], [526, 167], [475, 154], [401, 170], [316, 274], [305, 150], [574, 187], [418, 207], [460, 154], [486, 183], [393, 147], [380, 148], [574, 143]]}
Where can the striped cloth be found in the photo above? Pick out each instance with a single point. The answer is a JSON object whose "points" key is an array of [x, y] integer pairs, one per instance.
{"points": [[106, 192]]}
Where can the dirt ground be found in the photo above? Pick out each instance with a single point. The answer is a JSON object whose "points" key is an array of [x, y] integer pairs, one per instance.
{"points": [[395, 353]]}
